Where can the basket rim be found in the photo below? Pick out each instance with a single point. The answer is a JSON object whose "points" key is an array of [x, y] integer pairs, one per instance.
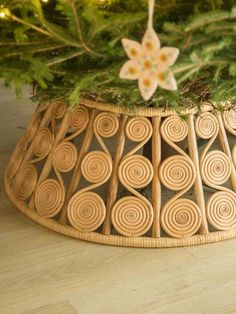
{"points": [[143, 111]]}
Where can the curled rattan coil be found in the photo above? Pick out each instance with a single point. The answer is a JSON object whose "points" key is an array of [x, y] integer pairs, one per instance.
{"points": [[177, 172], [181, 218], [16, 158], [138, 129], [131, 216], [49, 198], [135, 171], [206, 125], [25, 181], [221, 210], [106, 124], [79, 118], [86, 211], [59, 109], [96, 167], [229, 117], [174, 129], [65, 156], [215, 168], [43, 142]]}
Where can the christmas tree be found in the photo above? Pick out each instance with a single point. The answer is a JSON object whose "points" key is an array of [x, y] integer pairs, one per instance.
{"points": [[73, 49]]}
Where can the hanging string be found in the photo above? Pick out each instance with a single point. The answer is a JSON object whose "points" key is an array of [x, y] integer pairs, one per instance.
{"points": [[151, 4]]}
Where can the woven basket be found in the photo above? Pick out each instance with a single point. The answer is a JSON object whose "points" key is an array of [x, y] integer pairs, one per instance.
{"points": [[82, 173]]}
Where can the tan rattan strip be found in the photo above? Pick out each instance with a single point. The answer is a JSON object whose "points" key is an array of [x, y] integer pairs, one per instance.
{"points": [[144, 112]]}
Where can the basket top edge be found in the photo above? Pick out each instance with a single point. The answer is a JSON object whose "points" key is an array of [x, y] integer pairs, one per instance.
{"points": [[142, 112]]}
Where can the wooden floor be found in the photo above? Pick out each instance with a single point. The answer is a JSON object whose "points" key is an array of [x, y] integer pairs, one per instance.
{"points": [[44, 272]]}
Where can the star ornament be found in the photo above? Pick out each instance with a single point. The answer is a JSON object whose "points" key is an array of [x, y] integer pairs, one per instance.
{"points": [[149, 64]]}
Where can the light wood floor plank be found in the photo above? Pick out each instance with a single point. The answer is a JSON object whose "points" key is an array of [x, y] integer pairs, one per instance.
{"points": [[56, 308]]}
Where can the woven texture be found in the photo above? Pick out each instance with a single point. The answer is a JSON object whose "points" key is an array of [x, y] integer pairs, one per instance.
{"points": [[56, 178]]}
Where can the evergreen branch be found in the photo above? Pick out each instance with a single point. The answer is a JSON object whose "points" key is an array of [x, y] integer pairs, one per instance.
{"points": [[189, 74], [59, 72], [183, 68], [189, 44], [64, 59], [199, 65], [215, 28], [27, 43], [32, 26], [17, 53], [7, 69], [78, 28], [49, 32], [76, 18], [213, 18], [52, 32]]}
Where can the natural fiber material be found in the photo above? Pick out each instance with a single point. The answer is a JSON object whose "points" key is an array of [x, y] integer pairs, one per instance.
{"points": [[131, 218], [86, 211], [141, 112]]}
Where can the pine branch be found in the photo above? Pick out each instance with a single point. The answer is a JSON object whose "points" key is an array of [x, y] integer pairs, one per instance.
{"points": [[65, 58], [32, 51], [32, 26], [66, 39], [78, 28], [206, 19]]}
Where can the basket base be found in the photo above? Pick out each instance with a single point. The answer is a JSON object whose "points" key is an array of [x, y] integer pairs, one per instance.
{"points": [[138, 242]]}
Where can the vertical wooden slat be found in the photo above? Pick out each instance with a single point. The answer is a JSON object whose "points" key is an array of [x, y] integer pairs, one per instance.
{"points": [[225, 146], [114, 181], [198, 188], [77, 170], [156, 184]]}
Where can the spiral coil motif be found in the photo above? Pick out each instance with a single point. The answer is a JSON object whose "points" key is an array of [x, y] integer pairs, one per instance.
{"points": [[206, 125], [131, 216], [65, 157], [96, 167], [49, 198], [215, 168], [106, 124], [59, 109], [174, 129], [43, 143], [79, 118], [86, 211], [177, 172], [181, 218], [221, 210], [229, 117], [138, 129], [135, 171], [25, 181]]}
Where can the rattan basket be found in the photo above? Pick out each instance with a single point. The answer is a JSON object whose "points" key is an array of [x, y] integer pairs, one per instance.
{"points": [[82, 172]]}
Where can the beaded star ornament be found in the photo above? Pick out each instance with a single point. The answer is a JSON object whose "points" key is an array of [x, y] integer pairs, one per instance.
{"points": [[149, 63]]}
